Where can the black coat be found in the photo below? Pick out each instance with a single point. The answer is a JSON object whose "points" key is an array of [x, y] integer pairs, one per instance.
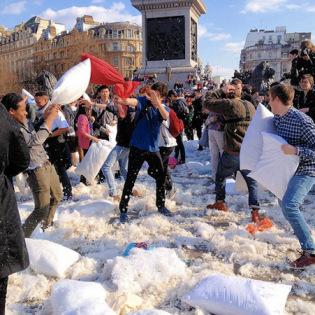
{"points": [[300, 101], [14, 158]]}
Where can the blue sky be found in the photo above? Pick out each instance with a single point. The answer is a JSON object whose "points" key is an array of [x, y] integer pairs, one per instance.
{"points": [[222, 30]]}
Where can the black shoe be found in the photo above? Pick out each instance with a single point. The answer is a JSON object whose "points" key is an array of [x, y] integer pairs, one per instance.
{"points": [[165, 211], [123, 218], [67, 198], [200, 148]]}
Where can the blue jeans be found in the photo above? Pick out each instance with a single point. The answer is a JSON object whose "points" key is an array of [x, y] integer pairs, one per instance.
{"points": [[298, 188], [119, 154], [228, 165]]}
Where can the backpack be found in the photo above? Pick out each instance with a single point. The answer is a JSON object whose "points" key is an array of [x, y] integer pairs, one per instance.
{"points": [[181, 109], [176, 124]]}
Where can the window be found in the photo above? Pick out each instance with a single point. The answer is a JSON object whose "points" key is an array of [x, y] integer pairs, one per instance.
{"points": [[115, 33], [279, 39], [115, 46], [116, 61], [128, 33]]}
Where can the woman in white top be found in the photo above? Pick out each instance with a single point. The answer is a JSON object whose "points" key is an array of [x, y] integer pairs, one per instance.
{"points": [[167, 146]]}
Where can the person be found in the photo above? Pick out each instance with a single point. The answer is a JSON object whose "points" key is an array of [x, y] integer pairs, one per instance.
{"points": [[56, 145], [198, 118], [179, 106], [215, 127], [304, 100], [299, 131], [145, 146], [120, 152], [14, 159], [105, 115], [294, 72], [84, 131], [237, 115], [42, 177], [167, 144], [70, 112], [189, 131]]}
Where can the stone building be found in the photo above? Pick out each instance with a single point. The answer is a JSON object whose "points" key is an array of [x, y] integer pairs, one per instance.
{"points": [[41, 44], [272, 46], [118, 43], [17, 53]]}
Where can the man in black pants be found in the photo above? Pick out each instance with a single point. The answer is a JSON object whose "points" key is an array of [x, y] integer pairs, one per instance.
{"points": [[145, 146], [180, 108]]}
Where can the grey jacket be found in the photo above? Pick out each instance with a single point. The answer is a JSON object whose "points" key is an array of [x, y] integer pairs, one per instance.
{"points": [[34, 141]]}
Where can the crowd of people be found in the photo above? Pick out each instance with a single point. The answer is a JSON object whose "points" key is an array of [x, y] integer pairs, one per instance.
{"points": [[42, 140]]}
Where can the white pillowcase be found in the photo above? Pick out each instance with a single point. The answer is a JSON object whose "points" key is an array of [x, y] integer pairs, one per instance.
{"points": [[274, 169], [229, 295], [71, 297], [49, 258], [251, 148], [73, 84]]}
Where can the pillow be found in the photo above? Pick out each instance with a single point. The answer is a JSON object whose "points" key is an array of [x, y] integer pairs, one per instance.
{"points": [[230, 295], [94, 159], [72, 85], [274, 161], [252, 143], [71, 297], [49, 258]]}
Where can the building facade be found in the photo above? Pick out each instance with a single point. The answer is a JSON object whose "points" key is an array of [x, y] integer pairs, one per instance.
{"points": [[41, 44], [272, 46], [119, 43], [17, 53]]}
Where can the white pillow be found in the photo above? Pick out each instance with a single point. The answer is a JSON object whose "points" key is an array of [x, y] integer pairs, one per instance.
{"points": [[27, 94], [251, 148], [150, 312], [49, 258], [72, 85], [230, 295], [274, 161], [94, 159], [71, 297]]}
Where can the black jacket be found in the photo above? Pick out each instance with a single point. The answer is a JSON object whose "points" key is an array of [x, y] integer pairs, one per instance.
{"points": [[14, 158], [300, 101]]}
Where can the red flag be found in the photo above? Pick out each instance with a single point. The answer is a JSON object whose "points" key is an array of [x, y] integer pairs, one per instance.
{"points": [[102, 72], [126, 89]]}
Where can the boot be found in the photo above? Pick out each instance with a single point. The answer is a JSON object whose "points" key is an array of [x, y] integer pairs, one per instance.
{"points": [[219, 205]]}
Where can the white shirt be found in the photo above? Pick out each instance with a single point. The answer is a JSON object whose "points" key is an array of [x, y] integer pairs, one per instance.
{"points": [[60, 121], [166, 139]]}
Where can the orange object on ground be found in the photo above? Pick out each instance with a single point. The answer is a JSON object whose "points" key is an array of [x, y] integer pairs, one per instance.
{"points": [[261, 226]]}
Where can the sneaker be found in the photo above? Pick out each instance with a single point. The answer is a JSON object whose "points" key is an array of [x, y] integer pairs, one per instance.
{"points": [[123, 218], [305, 260], [256, 217], [67, 198], [165, 211], [219, 205], [170, 194]]}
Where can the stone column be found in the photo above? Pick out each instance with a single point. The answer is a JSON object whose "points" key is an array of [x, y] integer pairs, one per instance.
{"points": [[169, 37]]}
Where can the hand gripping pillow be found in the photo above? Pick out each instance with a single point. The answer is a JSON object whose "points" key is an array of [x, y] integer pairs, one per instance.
{"points": [[225, 295], [252, 144], [49, 258], [274, 169], [94, 159], [72, 85], [71, 297]]}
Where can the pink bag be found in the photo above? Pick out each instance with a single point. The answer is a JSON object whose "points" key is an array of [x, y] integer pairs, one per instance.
{"points": [[172, 162]]}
